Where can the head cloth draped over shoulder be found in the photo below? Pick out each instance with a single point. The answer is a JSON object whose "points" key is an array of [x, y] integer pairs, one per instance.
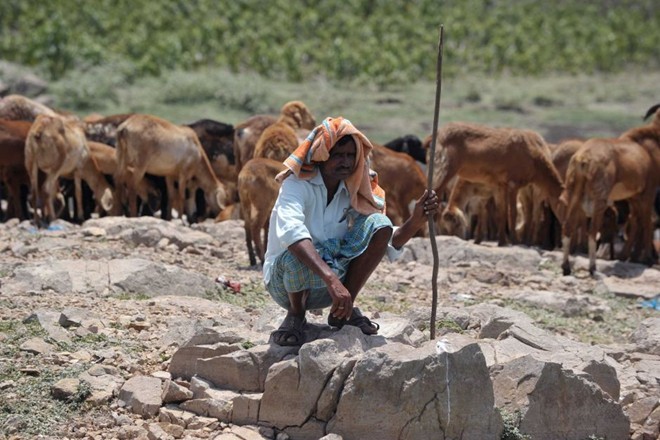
{"points": [[366, 196]]}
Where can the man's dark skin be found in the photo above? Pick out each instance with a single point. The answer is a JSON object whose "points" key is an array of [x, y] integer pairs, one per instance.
{"points": [[338, 167]]}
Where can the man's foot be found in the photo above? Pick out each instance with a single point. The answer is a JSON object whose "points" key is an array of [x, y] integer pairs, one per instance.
{"points": [[357, 319], [290, 332]]}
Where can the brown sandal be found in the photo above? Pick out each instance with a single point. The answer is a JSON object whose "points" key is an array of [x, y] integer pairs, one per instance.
{"points": [[357, 319]]}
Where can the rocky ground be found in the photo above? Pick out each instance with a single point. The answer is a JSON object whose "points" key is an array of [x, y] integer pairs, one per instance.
{"points": [[164, 273]]}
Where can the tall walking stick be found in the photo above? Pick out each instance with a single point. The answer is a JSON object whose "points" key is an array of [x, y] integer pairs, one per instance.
{"points": [[434, 137]]}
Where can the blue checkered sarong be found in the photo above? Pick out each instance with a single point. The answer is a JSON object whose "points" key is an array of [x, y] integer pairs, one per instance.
{"points": [[290, 275]]}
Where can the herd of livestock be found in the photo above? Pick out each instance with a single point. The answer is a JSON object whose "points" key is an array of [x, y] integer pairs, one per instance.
{"points": [[503, 184]]}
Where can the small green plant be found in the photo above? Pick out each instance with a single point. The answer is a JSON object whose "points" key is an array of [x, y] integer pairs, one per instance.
{"points": [[93, 338], [252, 295], [247, 345], [511, 426], [125, 296], [83, 391], [7, 326], [448, 326]]}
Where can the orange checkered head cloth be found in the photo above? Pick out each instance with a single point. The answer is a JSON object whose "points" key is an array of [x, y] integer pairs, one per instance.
{"points": [[366, 196]]}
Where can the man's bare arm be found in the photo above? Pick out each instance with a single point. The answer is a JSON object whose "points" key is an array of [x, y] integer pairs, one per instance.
{"points": [[427, 204]]}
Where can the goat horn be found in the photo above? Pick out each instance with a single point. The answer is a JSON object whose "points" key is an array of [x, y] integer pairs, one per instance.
{"points": [[651, 111]]}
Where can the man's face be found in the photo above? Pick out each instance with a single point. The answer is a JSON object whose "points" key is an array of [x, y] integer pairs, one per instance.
{"points": [[341, 163]]}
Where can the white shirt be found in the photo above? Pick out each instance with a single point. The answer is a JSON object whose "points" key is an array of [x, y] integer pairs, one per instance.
{"points": [[300, 212]]}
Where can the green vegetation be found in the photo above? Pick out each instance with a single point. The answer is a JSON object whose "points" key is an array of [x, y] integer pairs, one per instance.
{"points": [[247, 345], [511, 424], [252, 295], [127, 296], [27, 406], [448, 326], [375, 41], [622, 318]]}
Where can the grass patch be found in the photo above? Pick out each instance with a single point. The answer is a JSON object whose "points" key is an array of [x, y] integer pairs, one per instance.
{"points": [[247, 345], [252, 295], [609, 327], [444, 326], [28, 409], [126, 296]]}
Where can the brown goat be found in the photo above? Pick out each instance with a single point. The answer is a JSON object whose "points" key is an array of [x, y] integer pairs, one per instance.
{"points": [[603, 171], [277, 142], [21, 108], [466, 213], [59, 148], [247, 134], [401, 179], [105, 157], [280, 139], [148, 144], [648, 135], [12, 165], [504, 158], [258, 189]]}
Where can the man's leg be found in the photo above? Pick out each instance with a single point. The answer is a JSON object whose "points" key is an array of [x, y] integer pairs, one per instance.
{"points": [[359, 270], [291, 331], [297, 302], [362, 266]]}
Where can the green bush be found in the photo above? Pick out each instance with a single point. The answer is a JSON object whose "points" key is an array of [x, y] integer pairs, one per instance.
{"points": [[377, 41]]}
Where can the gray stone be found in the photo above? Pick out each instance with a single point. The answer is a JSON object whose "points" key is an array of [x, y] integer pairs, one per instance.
{"points": [[398, 392], [452, 250], [243, 370], [79, 317], [246, 433], [49, 321], [153, 279], [301, 380], [173, 392], [105, 383], [647, 336], [312, 429], [37, 346], [65, 389], [149, 231], [176, 416], [544, 393], [246, 409], [142, 394], [185, 360]]}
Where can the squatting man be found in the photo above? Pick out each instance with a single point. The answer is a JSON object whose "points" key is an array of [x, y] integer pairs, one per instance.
{"points": [[328, 231]]}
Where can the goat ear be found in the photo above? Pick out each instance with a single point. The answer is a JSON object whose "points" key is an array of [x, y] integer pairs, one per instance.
{"points": [[297, 115]]}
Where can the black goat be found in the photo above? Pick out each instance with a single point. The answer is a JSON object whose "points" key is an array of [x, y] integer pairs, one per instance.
{"points": [[409, 144]]}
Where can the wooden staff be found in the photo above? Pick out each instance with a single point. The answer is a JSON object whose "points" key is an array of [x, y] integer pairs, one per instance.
{"points": [[431, 220]]}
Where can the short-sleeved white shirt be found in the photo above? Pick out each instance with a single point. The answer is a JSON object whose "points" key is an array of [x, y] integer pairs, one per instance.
{"points": [[300, 212]]}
